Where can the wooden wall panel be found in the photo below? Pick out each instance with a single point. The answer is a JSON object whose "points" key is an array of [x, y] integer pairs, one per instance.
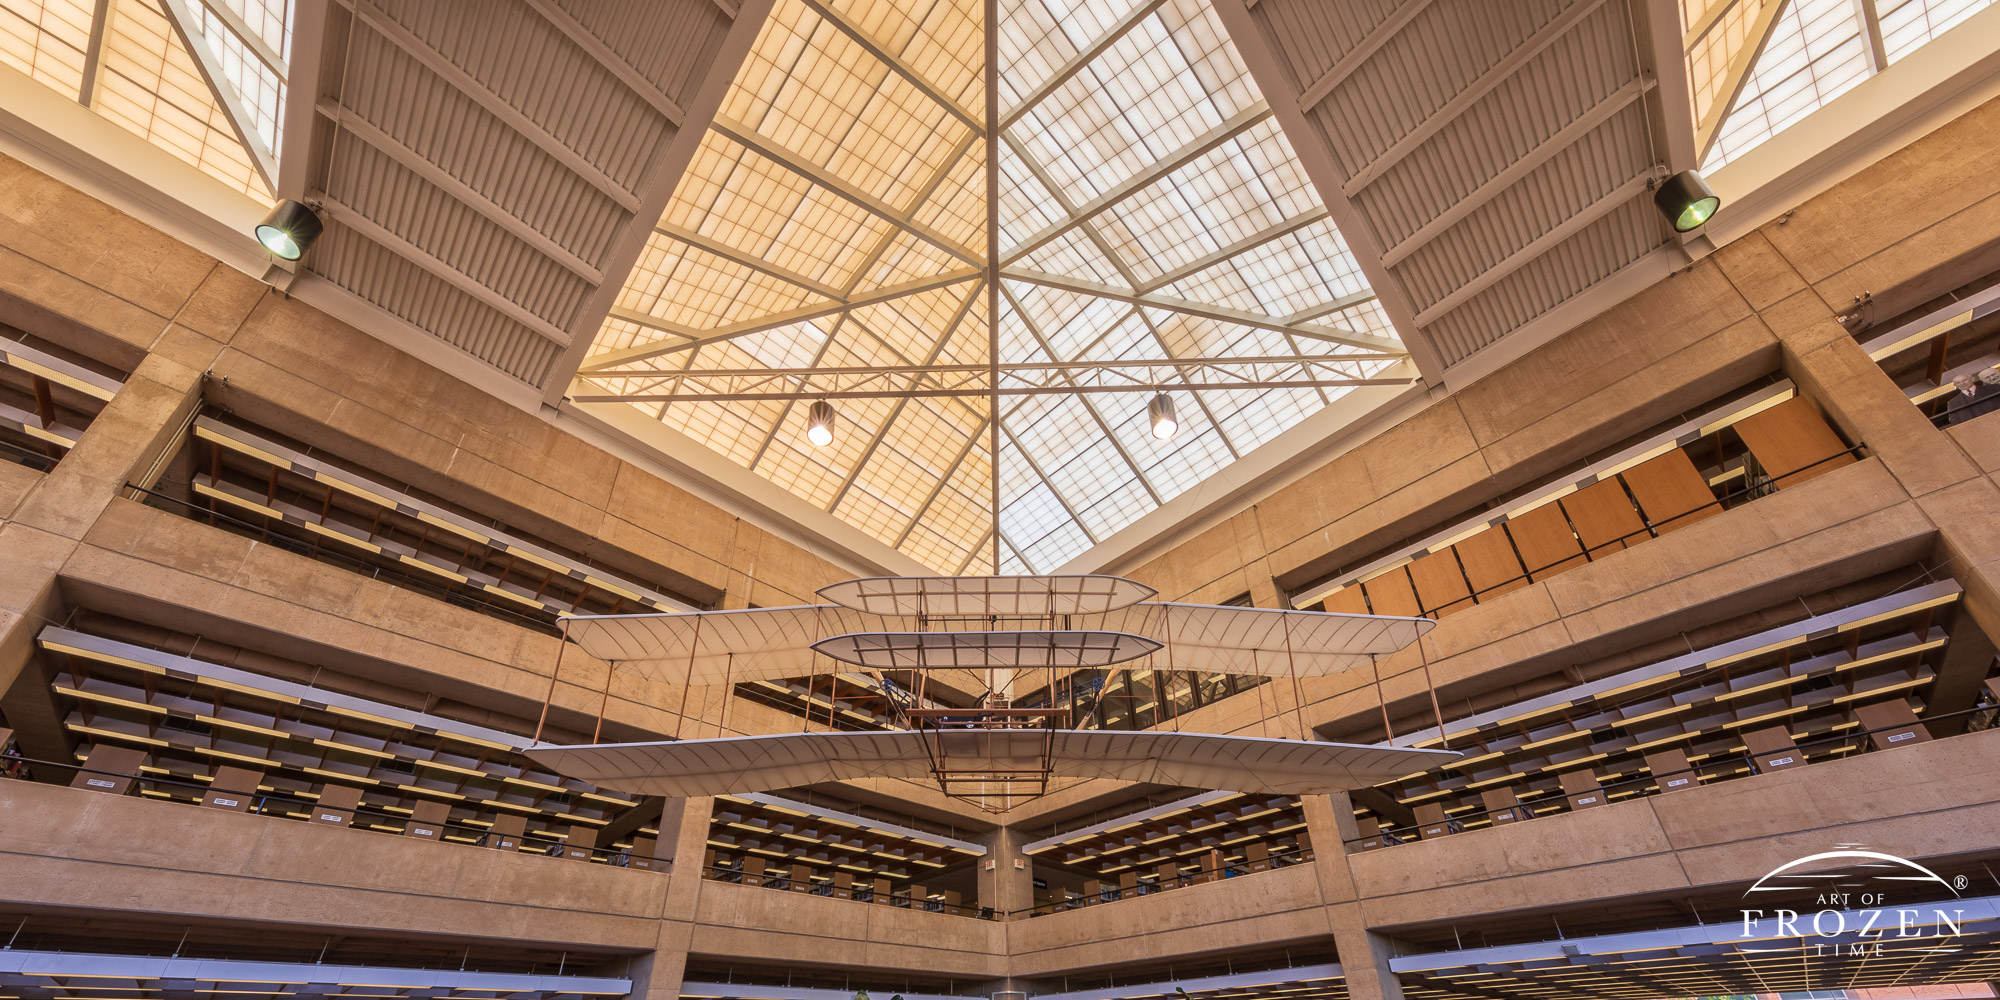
{"points": [[1391, 594], [1791, 436], [1439, 583], [1545, 541], [1670, 491], [1346, 601], [1490, 563], [1604, 517]]}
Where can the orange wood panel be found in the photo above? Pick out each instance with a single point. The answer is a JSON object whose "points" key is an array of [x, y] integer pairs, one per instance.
{"points": [[1604, 517], [1670, 491], [1439, 583], [1490, 563], [1391, 594], [1789, 437], [1346, 601], [1546, 544]]}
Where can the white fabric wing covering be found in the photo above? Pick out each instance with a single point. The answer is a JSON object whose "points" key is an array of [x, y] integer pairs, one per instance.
{"points": [[979, 650], [724, 647], [1195, 760], [1005, 596]]}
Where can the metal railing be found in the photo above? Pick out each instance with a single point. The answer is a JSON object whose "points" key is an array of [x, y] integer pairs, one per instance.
{"points": [[1707, 772], [312, 549], [1150, 885], [288, 807], [784, 882]]}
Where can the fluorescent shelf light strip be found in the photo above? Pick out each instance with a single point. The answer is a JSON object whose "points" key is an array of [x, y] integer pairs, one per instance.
{"points": [[242, 441]]}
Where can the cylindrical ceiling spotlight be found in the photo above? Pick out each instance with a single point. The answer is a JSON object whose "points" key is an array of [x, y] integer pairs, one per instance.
{"points": [[289, 230], [1160, 412], [1687, 201], [819, 423]]}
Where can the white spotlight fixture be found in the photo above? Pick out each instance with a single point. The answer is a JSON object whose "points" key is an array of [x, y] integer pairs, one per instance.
{"points": [[819, 423], [1160, 410]]}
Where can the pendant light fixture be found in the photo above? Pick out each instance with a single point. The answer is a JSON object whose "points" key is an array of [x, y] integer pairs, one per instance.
{"points": [[1160, 412], [819, 423]]}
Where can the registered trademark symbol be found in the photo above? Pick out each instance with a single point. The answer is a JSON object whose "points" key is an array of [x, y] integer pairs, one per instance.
{"points": [[1958, 883]]}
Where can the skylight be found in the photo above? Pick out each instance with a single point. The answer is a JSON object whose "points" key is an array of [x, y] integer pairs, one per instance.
{"points": [[1812, 51], [831, 240], [203, 81]]}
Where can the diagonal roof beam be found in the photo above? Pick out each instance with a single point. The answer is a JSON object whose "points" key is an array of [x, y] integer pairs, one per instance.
{"points": [[656, 189], [1251, 242], [1274, 77], [619, 67], [1352, 59], [188, 27], [773, 322], [1154, 300], [1670, 107], [751, 261], [1464, 100], [1239, 123], [749, 138], [1102, 427], [1709, 128], [943, 481], [1041, 475], [882, 244], [1564, 138], [894, 62], [416, 48], [1329, 308], [302, 89], [881, 432], [251, 38], [93, 50], [1124, 271], [1077, 62]]}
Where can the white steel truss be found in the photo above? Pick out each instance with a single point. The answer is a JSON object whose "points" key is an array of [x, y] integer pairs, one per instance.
{"points": [[938, 293]]}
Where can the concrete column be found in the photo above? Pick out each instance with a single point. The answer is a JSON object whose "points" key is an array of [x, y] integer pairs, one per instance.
{"points": [[1865, 403], [1003, 886], [690, 842], [1364, 956], [127, 437], [658, 974]]}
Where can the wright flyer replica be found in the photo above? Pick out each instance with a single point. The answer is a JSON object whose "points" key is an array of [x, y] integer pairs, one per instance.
{"points": [[994, 635]]}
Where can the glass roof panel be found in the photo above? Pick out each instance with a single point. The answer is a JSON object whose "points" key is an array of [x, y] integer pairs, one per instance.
{"points": [[1157, 202], [46, 40], [1817, 51], [150, 85]]}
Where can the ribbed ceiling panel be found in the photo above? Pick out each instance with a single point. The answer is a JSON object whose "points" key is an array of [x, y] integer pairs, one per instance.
{"points": [[431, 304], [447, 128], [670, 44], [1499, 152], [483, 164], [1553, 277], [367, 181], [529, 63]]}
